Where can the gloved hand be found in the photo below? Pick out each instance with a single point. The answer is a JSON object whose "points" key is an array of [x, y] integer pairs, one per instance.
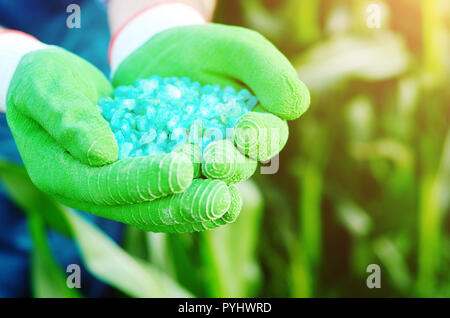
{"points": [[70, 152], [226, 55], [172, 39]]}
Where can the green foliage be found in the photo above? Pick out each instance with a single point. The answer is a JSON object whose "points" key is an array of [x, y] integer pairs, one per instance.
{"points": [[102, 256], [365, 173], [47, 277]]}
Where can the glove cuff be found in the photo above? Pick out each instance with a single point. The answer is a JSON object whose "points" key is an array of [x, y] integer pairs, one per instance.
{"points": [[13, 46], [145, 24]]}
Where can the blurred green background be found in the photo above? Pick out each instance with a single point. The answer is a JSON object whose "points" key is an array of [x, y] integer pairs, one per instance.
{"points": [[364, 178]]}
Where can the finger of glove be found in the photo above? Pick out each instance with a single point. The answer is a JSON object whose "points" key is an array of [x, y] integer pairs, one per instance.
{"points": [[203, 201], [218, 51], [194, 152], [246, 55], [229, 217], [222, 161], [260, 135], [235, 208], [60, 91], [127, 181]]}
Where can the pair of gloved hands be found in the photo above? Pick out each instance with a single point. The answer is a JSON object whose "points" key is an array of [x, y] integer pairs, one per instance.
{"points": [[70, 152]]}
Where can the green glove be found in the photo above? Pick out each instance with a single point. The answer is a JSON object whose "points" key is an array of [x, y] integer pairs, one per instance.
{"points": [[70, 153], [206, 204], [234, 56]]}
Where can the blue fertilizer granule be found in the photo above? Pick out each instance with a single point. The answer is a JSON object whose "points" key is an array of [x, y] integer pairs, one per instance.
{"points": [[156, 114]]}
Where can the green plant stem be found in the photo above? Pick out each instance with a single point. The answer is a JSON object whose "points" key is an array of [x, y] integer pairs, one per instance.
{"points": [[429, 237], [47, 276], [432, 26], [305, 264]]}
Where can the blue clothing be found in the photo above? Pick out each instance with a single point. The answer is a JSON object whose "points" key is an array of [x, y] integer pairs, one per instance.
{"points": [[46, 20]]}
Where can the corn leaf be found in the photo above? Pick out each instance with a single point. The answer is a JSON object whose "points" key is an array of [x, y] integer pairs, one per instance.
{"points": [[101, 255]]}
